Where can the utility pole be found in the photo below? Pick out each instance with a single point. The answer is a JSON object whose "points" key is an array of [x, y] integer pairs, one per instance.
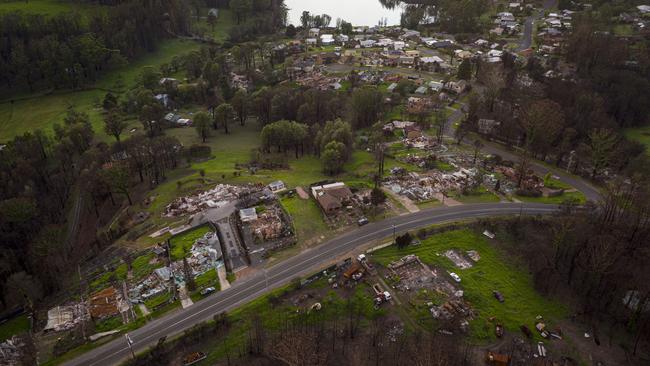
{"points": [[81, 296], [129, 342], [266, 279]]}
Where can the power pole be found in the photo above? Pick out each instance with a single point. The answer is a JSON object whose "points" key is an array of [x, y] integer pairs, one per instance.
{"points": [[81, 296], [129, 342]]}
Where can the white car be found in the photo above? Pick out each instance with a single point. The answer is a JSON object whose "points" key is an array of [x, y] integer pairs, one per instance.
{"points": [[455, 277]]}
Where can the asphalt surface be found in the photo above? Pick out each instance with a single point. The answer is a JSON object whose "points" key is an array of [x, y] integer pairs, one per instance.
{"points": [[306, 262], [527, 36]]}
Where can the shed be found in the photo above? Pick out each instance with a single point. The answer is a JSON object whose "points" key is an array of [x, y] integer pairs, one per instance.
{"points": [[277, 186], [248, 214]]}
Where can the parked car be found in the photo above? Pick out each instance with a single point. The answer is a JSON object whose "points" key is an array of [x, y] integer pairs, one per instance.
{"points": [[455, 276], [362, 221], [207, 291]]}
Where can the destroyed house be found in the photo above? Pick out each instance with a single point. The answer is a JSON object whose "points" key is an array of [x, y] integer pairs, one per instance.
{"points": [[104, 303], [353, 269], [248, 214]]}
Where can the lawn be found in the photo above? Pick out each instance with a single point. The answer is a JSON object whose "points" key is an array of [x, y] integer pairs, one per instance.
{"points": [[157, 300], [207, 279], [423, 205], [640, 134], [13, 327], [221, 29], [494, 271], [480, 195], [142, 266], [44, 7], [307, 217], [182, 243], [21, 116], [578, 196]]}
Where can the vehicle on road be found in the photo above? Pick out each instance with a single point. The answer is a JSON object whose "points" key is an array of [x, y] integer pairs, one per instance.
{"points": [[207, 291]]}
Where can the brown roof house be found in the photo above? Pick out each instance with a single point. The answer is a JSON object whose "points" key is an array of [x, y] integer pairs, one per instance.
{"points": [[331, 197]]}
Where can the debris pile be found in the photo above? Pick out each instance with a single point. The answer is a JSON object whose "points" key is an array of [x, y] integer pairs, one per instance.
{"points": [[219, 196], [458, 259], [11, 351], [529, 182], [423, 186], [66, 317], [268, 225], [106, 303], [204, 255]]}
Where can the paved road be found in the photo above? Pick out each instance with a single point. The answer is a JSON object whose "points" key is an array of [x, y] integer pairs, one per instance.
{"points": [[116, 351], [527, 37]]}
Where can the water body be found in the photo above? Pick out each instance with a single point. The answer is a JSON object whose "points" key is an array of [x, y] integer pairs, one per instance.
{"points": [[357, 12]]}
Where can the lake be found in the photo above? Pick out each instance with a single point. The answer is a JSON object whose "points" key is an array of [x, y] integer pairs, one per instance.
{"points": [[357, 12]]}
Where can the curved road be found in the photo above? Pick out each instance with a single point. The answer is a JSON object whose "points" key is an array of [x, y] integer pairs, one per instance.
{"points": [[116, 350]]}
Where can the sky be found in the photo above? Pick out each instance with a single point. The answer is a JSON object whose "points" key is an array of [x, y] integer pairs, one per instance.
{"points": [[358, 12]]}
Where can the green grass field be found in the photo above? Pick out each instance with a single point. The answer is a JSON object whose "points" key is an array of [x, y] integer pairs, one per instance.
{"points": [[481, 195], [640, 134], [182, 243], [221, 28], [307, 217], [494, 271], [42, 111], [44, 7], [13, 327], [578, 196]]}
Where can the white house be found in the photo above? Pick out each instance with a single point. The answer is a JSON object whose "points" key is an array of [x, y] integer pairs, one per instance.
{"points": [[314, 32], [399, 45], [277, 186], [367, 43], [327, 39]]}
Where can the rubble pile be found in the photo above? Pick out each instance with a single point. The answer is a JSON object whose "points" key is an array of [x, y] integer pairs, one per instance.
{"points": [[204, 254], [316, 80], [219, 196], [66, 317], [11, 351], [529, 182], [268, 225], [106, 303], [453, 308], [458, 259], [423, 186]]}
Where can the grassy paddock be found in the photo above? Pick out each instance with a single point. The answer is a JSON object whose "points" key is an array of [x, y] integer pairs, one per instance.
{"points": [[22, 116], [13, 327], [307, 217], [640, 134], [494, 271], [44, 7]]}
